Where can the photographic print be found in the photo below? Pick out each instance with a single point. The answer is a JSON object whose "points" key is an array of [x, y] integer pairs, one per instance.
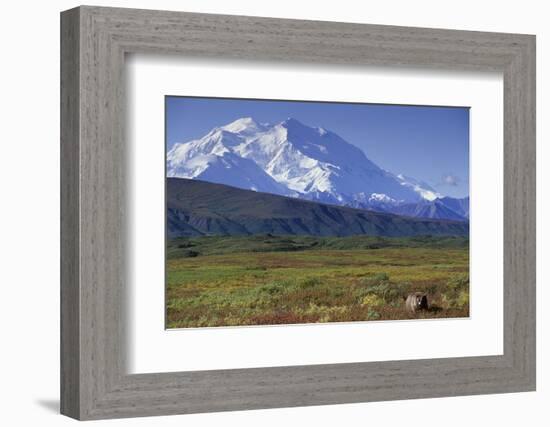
{"points": [[296, 212]]}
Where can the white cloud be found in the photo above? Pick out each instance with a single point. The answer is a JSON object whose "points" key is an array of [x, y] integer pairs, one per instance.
{"points": [[451, 180]]}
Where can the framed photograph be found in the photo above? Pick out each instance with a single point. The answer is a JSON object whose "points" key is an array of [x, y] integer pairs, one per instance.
{"points": [[272, 221], [262, 213]]}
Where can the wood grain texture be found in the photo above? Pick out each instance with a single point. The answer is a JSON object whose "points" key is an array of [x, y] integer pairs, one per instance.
{"points": [[94, 272], [70, 297]]}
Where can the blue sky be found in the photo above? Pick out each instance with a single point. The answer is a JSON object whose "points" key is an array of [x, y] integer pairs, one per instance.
{"points": [[426, 143]]}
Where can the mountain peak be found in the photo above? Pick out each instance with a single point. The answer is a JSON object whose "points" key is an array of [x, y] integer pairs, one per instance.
{"points": [[243, 124], [294, 124], [291, 121]]}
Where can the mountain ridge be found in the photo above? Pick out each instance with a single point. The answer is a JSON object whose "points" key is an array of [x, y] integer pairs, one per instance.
{"points": [[196, 208]]}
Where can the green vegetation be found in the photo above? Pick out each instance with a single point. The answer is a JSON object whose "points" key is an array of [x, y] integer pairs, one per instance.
{"points": [[265, 279]]}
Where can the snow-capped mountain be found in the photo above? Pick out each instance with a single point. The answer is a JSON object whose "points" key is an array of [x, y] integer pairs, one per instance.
{"points": [[440, 208], [292, 159], [422, 188]]}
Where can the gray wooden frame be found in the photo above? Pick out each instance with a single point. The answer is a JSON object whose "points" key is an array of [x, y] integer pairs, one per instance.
{"points": [[94, 382]]}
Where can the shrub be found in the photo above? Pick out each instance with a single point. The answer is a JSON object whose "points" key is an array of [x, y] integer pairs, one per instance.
{"points": [[459, 281], [375, 279], [256, 267], [389, 293], [381, 277], [373, 315], [273, 288], [189, 254], [372, 300], [185, 245], [309, 282], [457, 292], [463, 299]]}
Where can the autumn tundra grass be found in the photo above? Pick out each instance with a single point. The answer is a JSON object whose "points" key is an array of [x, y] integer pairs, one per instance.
{"points": [[266, 280]]}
